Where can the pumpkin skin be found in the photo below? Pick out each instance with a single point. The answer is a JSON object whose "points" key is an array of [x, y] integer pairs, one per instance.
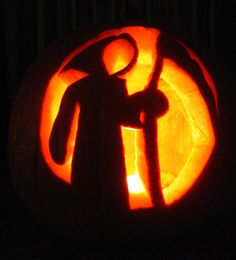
{"points": [[56, 203]]}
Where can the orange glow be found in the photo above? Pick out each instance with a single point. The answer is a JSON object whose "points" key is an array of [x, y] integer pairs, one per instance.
{"points": [[185, 133], [136, 167], [115, 54], [56, 88], [188, 128]]}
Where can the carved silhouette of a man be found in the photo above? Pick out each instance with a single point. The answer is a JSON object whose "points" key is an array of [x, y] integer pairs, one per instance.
{"points": [[98, 169]]}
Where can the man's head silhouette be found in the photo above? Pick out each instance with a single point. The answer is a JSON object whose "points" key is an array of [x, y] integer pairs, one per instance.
{"points": [[114, 55]]}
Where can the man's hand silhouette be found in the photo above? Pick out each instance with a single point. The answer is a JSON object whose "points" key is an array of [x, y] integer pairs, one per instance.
{"points": [[154, 102]]}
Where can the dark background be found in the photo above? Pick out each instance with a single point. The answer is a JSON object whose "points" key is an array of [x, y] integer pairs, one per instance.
{"points": [[27, 28]]}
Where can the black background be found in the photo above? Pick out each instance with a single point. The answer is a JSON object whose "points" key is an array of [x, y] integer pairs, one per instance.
{"points": [[27, 28]]}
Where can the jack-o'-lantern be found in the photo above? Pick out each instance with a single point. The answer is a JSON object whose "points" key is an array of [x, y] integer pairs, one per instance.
{"points": [[112, 124]]}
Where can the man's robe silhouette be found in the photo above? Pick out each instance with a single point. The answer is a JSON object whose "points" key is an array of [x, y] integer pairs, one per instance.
{"points": [[98, 170], [98, 167]]}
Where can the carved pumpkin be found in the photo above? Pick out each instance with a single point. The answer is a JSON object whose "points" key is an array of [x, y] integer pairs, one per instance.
{"points": [[111, 124]]}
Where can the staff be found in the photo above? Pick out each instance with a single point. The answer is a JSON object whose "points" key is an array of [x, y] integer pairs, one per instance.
{"points": [[151, 130]]}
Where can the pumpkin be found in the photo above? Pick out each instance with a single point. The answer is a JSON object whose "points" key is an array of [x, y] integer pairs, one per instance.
{"points": [[112, 128]]}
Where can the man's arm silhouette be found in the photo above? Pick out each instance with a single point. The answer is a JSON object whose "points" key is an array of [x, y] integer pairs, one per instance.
{"points": [[62, 124]]}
